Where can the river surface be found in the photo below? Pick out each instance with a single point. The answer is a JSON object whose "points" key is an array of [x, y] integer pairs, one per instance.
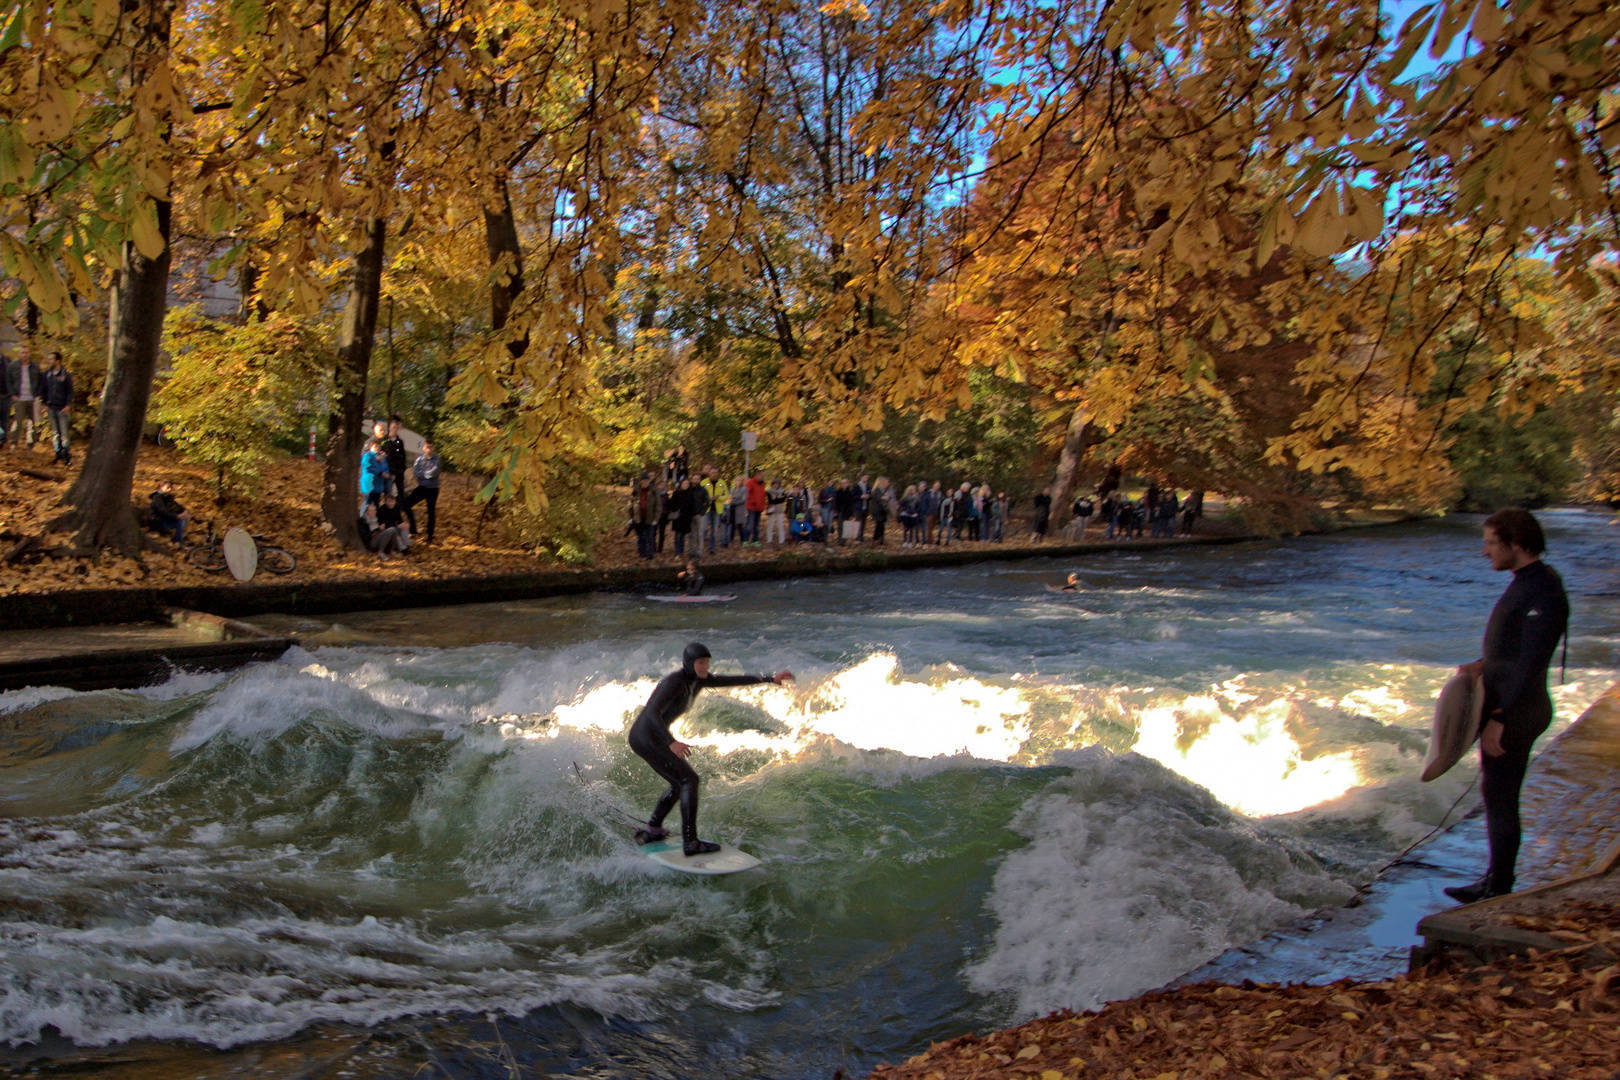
{"points": [[982, 801]]}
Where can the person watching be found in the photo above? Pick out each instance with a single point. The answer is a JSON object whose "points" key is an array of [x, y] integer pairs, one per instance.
{"points": [[1520, 640]]}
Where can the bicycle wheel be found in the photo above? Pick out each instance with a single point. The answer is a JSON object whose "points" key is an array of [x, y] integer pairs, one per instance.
{"points": [[276, 560], [207, 557]]}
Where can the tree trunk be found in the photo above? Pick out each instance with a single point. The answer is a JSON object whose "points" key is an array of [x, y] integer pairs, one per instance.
{"points": [[340, 500], [1068, 469], [501, 237], [101, 515]]}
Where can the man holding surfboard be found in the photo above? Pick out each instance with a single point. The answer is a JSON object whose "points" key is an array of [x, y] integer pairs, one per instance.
{"points": [[1520, 639], [652, 741]]}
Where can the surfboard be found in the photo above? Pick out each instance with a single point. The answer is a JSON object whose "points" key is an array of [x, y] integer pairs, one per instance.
{"points": [[728, 860], [1079, 588], [690, 599], [241, 554], [1456, 724]]}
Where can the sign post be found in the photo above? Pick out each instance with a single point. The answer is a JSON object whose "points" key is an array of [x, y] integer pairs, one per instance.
{"points": [[750, 443]]}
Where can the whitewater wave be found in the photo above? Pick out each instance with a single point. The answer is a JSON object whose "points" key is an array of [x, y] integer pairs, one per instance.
{"points": [[359, 835]]}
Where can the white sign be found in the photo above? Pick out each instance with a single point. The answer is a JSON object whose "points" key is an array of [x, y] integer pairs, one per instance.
{"points": [[750, 441]]}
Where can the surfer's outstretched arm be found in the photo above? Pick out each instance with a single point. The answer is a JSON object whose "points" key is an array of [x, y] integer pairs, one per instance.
{"points": [[717, 681]]}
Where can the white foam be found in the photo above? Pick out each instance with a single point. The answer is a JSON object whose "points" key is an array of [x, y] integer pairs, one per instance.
{"points": [[30, 697], [1131, 877]]}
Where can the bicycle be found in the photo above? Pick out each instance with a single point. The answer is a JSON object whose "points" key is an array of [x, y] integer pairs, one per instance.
{"points": [[209, 556]]}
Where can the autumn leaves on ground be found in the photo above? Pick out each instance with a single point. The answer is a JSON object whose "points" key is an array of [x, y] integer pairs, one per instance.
{"points": [[1550, 1016], [470, 540]]}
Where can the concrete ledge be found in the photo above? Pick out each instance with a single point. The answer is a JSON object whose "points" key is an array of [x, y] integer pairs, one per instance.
{"points": [[224, 644], [89, 607]]}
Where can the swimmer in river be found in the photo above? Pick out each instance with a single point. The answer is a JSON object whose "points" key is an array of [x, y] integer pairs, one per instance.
{"points": [[650, 738], [1074, 584], [692, 578]]}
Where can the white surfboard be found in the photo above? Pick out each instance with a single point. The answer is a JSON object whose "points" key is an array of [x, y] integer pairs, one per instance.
{"points": [[710, 599], [728, 860], [241, 554], [1456, 724]]}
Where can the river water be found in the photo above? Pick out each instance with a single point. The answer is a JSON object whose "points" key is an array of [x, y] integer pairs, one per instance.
{"points": [[982, 801]]}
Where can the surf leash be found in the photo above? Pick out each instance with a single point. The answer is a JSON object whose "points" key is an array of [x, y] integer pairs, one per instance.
{"points": [[601, 799], [1431, 833]]}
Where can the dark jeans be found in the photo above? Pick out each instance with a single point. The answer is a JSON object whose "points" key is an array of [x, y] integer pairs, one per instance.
{"points": [[877, 529], [168, 523], [680, 542], [659, 533], [1500, 780], [420, 494], [753, 526], [644, 540]]}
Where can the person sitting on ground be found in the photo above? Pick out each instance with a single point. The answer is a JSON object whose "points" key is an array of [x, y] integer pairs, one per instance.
{"points": [[692, 578], [818, 528], [377, 538], [167, 515], [390, 515], [801, 530]]}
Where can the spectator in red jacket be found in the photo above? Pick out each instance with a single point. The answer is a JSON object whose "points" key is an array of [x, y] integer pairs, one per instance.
{"points": [[756, 501]]}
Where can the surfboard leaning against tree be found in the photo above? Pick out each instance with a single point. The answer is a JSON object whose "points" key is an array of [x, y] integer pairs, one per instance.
{"points": [[1520, 640], [652, 741]]}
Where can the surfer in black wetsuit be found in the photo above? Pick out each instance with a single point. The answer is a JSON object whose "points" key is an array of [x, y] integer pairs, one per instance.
{"points": [[1520, 640], [692, 578], [650, 738]]}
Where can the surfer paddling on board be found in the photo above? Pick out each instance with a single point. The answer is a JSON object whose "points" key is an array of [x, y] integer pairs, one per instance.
{"points": [[650, 738], [1520, 640]]}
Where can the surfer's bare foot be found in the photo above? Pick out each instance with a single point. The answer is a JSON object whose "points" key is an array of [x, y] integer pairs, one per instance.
{"points": [[698, 847], [651, 835]]}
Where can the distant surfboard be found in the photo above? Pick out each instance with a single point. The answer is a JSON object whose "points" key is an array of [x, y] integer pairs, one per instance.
{"points": [[728, 860], [1456, 724], [690, 599], [1080, 587]]}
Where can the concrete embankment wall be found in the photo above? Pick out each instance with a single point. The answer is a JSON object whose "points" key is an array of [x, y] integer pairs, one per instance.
{"points": [[97, 606]]}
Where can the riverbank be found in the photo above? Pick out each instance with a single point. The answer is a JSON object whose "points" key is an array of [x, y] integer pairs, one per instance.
{"points": [[472, 559], [1547, 1016]]}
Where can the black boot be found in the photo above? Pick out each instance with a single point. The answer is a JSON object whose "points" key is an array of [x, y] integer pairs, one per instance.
{"points": [[651, 834], [690, 844], [1483, 889]]}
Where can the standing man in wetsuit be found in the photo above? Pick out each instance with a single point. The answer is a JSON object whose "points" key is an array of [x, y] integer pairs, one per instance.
{"points": [[1520, 640], [650, 738]]}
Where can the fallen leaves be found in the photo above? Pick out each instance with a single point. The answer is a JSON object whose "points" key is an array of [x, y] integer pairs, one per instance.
{"points": [[1545, 1016]]}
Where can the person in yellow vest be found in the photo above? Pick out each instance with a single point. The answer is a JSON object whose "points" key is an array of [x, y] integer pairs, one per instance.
{"points": [[719, 493]]}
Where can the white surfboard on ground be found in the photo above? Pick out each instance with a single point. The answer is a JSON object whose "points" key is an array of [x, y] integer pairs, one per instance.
{"points": [[241, 554], [728, 860]]}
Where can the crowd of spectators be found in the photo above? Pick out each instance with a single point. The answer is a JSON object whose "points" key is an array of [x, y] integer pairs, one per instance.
{"points": [[388, 510], [693, 512]]}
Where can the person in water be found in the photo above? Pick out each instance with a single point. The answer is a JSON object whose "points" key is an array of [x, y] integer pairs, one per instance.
{"points": [[1074, 584], [650, 738], [1520, 640], [692, 578]]}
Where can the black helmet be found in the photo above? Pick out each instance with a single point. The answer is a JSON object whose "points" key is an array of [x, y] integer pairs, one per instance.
{"points": [[694, 652]]}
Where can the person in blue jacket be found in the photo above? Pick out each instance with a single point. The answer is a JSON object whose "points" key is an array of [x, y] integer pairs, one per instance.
{"points": [[653, 742], [374, 475]]}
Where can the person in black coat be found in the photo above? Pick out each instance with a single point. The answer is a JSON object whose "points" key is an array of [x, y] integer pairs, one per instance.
{"points": [[653, 742]]}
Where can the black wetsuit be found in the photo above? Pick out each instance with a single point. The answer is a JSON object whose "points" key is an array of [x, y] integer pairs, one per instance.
{"points": [[1520, 641], [650, 738], [694, 582]]}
